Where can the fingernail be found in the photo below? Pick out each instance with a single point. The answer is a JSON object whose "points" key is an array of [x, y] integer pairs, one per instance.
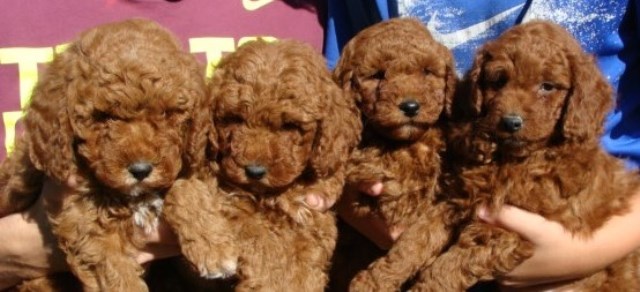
{"points": [[72, 181], [313, 201], [395, 232], [483, 214], [376, 189]]}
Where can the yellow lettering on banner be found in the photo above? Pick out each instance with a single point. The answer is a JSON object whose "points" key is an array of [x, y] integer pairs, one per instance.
{"points": [[254, 4], [10, 120], [213, 48], [27, 60]]}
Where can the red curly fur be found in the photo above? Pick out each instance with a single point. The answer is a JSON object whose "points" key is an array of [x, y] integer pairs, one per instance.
{"points": [[274, 107], [550, 164], [122, 93], [386, 68]]}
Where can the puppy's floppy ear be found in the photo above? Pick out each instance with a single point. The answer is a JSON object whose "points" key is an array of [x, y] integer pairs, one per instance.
{"points": [[589, 100], [202, 140], [467, 98], [450, 82], [474, 100], [343, 73], [338, 132], [47, 120]]}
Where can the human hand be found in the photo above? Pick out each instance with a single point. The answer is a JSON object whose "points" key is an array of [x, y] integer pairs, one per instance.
{"points": [[370, 225], [33, 250], [560, 256]]}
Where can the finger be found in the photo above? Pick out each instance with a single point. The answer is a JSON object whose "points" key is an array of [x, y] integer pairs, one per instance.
{"points": [[395, 232], [529, 225], [73, 181], [375, 229], [372, 227], [371, 188], [318, 202], [160, 243], [162, 234], [145, 257], [157, 251]]}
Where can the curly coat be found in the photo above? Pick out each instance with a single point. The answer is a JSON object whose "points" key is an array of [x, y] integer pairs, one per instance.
{"points": [[279, 128], [111, 112], [403, 82], [538, 103]]}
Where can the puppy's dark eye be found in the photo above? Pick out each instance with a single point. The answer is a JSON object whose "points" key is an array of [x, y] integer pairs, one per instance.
{"points": [[495, 79], [101, 116], [379, 75], [426, 71], [168, 113], [290, 126], [231, 120], [546, 88]]}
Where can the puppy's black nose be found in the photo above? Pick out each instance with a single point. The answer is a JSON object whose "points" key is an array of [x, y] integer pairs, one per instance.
{"points": [[140, 170], [512, 123], [410, 108], [255, 171]]}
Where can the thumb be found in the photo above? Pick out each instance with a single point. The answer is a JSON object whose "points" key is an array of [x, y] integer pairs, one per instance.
{"points": [[529, 225], [372, 188]]}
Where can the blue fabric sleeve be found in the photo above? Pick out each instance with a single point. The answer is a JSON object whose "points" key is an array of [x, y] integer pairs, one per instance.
{"points": [[622, 136], [340, 29], [335, 23]]}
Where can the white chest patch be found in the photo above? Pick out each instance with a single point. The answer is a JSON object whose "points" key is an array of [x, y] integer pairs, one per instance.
{"points": [[147, 213]]}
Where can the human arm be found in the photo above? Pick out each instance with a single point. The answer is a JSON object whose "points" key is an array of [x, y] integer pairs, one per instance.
{"points": [[559, 256], [29, 250]]}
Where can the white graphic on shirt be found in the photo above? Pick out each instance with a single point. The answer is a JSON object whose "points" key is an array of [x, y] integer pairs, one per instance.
{"points": [[254, 4], [583, 19], [456, 38]]}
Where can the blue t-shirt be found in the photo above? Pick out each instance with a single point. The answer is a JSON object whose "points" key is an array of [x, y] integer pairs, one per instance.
{"points": [[609, 29]]}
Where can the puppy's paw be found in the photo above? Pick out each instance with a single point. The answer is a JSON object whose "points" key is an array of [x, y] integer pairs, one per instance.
{"points": [[482, 151], [220, 270], [214, 260]]}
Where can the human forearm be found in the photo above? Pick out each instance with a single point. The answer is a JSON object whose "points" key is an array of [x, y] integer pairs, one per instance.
{"points": [[559, 255], [27, 250]]}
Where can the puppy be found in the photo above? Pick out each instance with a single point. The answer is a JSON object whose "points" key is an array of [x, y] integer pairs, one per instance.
{"points": [[539, 103], [110, 114], [403, 82], [279, 129]]}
